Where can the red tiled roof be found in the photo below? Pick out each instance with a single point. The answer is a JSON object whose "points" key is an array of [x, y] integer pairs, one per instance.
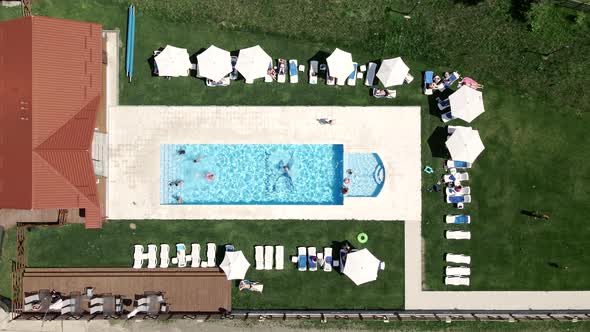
{"points": [[50, 87]]}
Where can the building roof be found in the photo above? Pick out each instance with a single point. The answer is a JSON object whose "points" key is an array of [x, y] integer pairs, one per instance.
{"points": [[50, 87]]}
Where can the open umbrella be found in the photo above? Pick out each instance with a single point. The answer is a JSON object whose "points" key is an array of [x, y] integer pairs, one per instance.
{"points": [[340, 64], [214, 63], [361, 266], [392, 72], [466, 103], [173, 62], [465, 144], [235, 265], [253, 62]]}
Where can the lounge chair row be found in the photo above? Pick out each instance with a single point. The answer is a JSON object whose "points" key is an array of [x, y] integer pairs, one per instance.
{"points": [[68, 305], [181, 259], [264, 256], [457, 275], [432, 82], [308, 259]]}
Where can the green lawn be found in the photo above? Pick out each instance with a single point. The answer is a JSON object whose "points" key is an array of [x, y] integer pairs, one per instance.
{"points": [[74, 246]]}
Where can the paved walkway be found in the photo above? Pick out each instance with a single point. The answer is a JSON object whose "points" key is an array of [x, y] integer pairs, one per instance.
{"points": [[416, 298], [136, 132]]}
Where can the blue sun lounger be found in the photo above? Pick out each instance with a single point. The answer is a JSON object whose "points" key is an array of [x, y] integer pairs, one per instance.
{"points": [[302, 259], [458, 164], [428, 79], [458, 219], [293, 77]]}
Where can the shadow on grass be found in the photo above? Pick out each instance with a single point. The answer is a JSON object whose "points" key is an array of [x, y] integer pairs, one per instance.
{"points": [[436, 142]]}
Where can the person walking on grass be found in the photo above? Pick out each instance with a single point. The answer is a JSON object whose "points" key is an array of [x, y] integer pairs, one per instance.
{"points": [[326, 121]]}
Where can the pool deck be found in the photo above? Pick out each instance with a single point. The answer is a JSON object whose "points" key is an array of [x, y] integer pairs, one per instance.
{"points": [[136, 132]]}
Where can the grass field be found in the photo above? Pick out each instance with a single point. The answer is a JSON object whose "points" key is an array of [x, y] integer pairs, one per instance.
{"points": [[74, 246], [535, 127]]}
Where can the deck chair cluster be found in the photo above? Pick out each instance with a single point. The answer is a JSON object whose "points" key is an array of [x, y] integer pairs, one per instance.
{"points": [[182, 259], [269, 257], [309, 259]]}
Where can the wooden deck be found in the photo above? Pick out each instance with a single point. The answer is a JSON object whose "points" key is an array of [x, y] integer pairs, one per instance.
{"points": [[185, 290]]}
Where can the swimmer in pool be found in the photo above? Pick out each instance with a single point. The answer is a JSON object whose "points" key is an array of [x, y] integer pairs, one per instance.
{"points": [[210, 177]]}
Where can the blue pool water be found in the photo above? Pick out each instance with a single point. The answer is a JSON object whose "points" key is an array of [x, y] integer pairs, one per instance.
{"points": [[368, 174], [252, 174]]}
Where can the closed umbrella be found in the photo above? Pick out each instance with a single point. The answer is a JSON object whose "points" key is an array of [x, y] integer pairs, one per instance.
{"points": [[466, 103], [361, 266], [340, 64], [214, 63], [235, 265], [392, 72], [253, 62], [173, 62], [465, 144]]}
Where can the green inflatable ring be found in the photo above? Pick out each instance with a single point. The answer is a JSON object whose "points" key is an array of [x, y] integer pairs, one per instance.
{"points": [[362, 238]]}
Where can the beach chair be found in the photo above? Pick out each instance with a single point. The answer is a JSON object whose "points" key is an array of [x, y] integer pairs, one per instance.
{"points": [[328, 259], [382, 266], [312, 258], [181, 254], [164, 255], [224, 82], [457, 271], [32, 298], [313, 72], [268, 78], [458, 259], [96, 309], [196, 255], [459, 199], [458, 219], [370, 78], [456, 281], [448, 116], [462, 176], [428, 79], [301, 259], [211, 251], [352, 77], [453, 192], [447, 82], [96, 300], [282, 71], [279, 257], [409, 78], [457, 164], [293, 75], [234, 72], [28, 307], [68, 310], [389, 93], [268, 257], [134, 312], [259, 257], [138, 256], [329, 79], [458, 235], [142, 301], [443, 104], [229, 248], [156, 53], [152, 256]]}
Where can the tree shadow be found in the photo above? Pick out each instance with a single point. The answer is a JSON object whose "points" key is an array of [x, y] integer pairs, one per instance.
{"points": [[320, 57], [152, 63], [193, 59], [468, 2], [520, 8], [436, 142]]}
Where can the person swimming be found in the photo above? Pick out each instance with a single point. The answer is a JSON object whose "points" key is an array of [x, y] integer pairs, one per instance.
{"points": [[285, 170]]}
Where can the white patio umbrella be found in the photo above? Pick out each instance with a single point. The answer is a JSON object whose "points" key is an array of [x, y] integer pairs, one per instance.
{"points": [[253, 62], [466, 103], [465, 144], [214, 63], [235, 265], [173, 61], [340, 64], [361, 266], [392, 72]]}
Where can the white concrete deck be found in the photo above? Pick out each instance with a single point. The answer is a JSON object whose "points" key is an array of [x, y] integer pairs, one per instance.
{"points": [[136, 132]]}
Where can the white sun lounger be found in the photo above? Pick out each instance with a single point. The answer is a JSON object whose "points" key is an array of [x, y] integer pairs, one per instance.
{"points": [[152, 256], [457, 176], [312, 258], [267, 77], [329, 79], [457, 271], [370, 78], [301, 259], [268, 257], [211, 250], [458, 235], [142, 301], [458, 219], [453, 192], [456, 281], [68, 310], [313, 72], [96, 300], [409, 78], [282, 68], [352, 77], [32, 298], [164, 255], [141, 308], [279, 257], [458, 259], [96, 309], [293, 74], [328, 259], [459, 199], [138, 256], [259, 257], [196, 254]]}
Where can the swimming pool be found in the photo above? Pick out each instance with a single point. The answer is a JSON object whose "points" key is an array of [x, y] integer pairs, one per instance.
{"points": [[251, 174]]}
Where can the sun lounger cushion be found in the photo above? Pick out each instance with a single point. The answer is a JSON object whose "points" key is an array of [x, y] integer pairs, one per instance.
{"points": [[279, 257]]}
